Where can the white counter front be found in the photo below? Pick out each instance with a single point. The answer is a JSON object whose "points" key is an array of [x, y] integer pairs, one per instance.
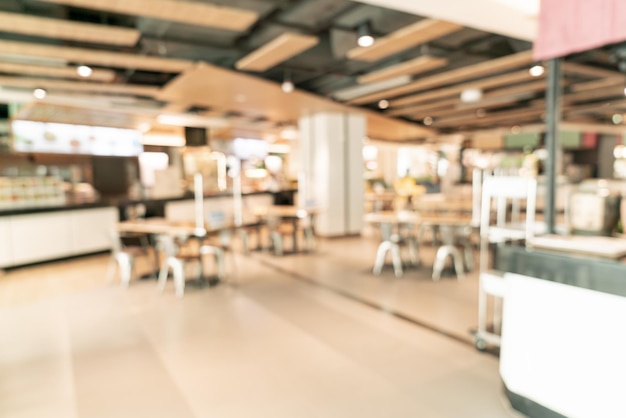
{"points": [[32, 238]]}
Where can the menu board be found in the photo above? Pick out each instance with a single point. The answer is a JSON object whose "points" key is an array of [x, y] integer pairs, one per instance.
{"points": [[60, 138]]}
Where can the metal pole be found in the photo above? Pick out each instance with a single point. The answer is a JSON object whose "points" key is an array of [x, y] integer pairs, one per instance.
{"points": [[553, 116]]}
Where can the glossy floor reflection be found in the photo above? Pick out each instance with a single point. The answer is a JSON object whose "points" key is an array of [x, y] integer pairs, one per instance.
{"points": [[270, 346]]}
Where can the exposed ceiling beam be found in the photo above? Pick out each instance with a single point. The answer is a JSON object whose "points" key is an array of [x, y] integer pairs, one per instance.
{"points": [[489, 117], [472, 71], [432, 105], [495, 102], [55, 72], [32, 83], [590, 71], [280, 49], [487, 15], [95, 57], [497, 81], [67, 30], [402, 39], [598, 84], [602, 93], [411, 67], [195, 13]]}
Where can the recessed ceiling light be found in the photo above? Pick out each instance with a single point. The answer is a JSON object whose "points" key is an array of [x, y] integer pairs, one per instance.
{"points": [[40, 93], [617, 118], [537, 70], [383, 104], [84, 71], [428, 121]]}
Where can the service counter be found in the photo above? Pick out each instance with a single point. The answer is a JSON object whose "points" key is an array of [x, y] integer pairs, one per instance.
{"points": [[46, 233], [563, 349]]}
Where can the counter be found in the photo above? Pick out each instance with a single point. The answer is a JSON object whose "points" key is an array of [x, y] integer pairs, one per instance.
{"points": [[45, 233], [563, 350]]}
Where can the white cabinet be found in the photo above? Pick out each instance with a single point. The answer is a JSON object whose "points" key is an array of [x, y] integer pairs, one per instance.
{"points": [[90, 229], [40, 237], [5, 243]]}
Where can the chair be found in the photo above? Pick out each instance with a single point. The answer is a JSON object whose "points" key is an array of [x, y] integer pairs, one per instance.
{"points": [[177, 261], [392, 244], [280, 227], [123, 257], [500, 193]]}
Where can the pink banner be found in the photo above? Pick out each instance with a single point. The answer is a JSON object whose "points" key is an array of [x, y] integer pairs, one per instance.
{"points": [[572, 26]]}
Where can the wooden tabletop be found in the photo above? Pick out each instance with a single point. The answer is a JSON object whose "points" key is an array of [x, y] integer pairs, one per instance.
{"points": [[284, 211], [164, 226], [411, 217]]}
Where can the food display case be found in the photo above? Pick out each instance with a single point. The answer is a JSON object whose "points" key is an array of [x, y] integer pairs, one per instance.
{"points": [[21, 192]]}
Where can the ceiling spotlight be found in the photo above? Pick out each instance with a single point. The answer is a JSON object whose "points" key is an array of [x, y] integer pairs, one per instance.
{"points": [[428, 121], [617, 118], [471, 95], [365, 38], [84, 70], [537, 70], [40, 93], [287, 85], [383, 104]]}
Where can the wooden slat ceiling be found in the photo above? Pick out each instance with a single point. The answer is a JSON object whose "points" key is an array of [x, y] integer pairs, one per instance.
{"points": [[465, 73], [276, 51], [259, 98], [411, 67], [54, 72], [95, 57], [66, 30], [78, 116], [425, 85], [82, 86], [195, 13], [498, 94], [405, 38]]}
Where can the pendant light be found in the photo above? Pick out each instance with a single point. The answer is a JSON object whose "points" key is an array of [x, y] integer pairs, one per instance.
{"points": [[287, 85], [365, 38]]}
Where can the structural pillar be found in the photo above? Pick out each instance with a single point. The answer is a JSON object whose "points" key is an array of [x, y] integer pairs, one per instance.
{"points": [[331, 177]]}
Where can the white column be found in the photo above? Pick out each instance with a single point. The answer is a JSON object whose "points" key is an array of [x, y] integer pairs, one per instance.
{"points": [[332, 170]]}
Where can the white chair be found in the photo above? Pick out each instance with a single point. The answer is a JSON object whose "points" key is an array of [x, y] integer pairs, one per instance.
{"points": [[500, 192], [123, 258], [392, 244], [177, 261]]}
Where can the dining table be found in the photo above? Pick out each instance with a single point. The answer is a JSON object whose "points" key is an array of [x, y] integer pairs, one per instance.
{"points": [[274, 215], [183, 230], [406, 227]]}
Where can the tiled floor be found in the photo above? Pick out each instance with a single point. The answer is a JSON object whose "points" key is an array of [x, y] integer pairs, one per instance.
{"points": [[270, 346]]}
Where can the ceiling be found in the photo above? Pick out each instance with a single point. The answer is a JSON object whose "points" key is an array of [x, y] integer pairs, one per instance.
{"points": [[220, 63]]}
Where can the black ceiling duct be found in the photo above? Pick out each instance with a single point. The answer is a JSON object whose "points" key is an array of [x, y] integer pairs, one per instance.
{"points": [[196, 137]]}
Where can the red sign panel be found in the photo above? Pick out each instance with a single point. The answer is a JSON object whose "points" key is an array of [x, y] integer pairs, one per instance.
{"points": [[572, 26]]}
